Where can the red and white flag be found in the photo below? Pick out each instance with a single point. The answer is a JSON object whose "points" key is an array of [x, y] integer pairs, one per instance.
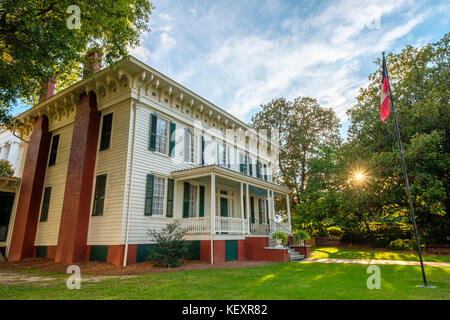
{"points": [[384, 107]]}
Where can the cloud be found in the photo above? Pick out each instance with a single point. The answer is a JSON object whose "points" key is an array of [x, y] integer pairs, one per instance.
{"points": [[241, 55]]}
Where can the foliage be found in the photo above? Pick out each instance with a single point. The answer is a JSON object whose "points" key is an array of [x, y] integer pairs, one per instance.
{"points": [[301, 235], [334, 231], [400, 244], [5, 168], [170, 245], [303, 126], [333, 197], [36, 44], [280, 236]]}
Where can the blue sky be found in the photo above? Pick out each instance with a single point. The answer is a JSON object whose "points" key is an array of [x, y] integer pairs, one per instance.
{"points": [[240, 54]]}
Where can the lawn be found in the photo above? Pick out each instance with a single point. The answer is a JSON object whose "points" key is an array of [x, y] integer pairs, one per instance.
{"points": [[344, 253], [291, 280]]}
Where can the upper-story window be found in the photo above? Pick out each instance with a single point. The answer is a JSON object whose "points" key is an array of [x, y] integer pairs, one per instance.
{"points": [[105, 138], [221, 154], [53, 150], [258, 169], [265, 172], [250, 166], [161, 139], [189, 146]]}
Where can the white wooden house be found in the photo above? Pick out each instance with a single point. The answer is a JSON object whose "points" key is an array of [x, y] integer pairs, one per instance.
{"points": [[130, 150]]}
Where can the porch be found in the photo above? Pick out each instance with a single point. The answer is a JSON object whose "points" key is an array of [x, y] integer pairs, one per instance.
{"points": [[239, 204]]}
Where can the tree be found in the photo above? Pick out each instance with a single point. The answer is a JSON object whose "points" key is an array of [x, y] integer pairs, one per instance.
{"points": [[303, 126], [40, 40], [5, 169]]}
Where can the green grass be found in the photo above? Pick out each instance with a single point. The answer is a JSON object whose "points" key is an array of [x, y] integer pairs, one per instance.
{"points": [[344, 253], [276, 281]]}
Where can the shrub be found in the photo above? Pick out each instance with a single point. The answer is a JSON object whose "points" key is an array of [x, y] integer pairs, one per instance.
{"points": [[301, 235], [382, 242], [400, 244], [170, 245], [280, 235], [5, 168], [335, 231]]}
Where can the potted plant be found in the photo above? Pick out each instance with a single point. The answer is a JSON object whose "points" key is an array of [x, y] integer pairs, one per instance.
{"points": [[279, 237], [301, 236]]}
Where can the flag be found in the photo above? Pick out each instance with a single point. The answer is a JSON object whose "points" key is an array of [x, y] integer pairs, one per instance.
{"points": [[384, 107]]}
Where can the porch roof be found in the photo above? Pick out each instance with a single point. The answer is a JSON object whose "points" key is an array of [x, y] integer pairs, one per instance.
{"points": [[203, 171], [9, 184]]}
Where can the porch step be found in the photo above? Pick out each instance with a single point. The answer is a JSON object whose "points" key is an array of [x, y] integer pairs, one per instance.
{"points": [[295, 256]]}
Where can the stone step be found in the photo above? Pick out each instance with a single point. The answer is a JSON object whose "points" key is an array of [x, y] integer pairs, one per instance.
{"points": [[295, 256]]}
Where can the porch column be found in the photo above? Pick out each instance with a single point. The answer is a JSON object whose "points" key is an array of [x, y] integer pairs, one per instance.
{"points": [[30, 195], [213, 213], [247, 196], [242, 207], [289, 211]]}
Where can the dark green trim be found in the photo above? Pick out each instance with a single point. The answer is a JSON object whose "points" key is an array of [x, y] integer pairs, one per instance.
{"points": [[149, 195], [41, 251], [202, 202], [98, 253], [230, 250], [252, 209], [143, 251], [194, 249], [172, 139], [170, 187], [152, 138], [186, 200]]}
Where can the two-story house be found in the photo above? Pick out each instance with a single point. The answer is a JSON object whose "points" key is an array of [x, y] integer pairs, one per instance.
{"points": [[129, 150]]}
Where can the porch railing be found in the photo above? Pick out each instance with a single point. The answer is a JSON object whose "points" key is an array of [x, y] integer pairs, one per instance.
{"points": [[259, 229], [196, 225], [231, 225], [279, 227]]}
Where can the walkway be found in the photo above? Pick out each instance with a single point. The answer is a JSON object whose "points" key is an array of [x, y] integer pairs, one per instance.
{"points": [[368, 261]]}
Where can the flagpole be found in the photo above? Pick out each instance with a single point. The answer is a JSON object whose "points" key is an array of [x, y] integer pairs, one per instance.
{"points": [[405, 174]]}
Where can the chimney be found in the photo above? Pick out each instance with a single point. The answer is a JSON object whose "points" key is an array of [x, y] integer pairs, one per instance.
{"points": [[93, 62], [48, 89]]}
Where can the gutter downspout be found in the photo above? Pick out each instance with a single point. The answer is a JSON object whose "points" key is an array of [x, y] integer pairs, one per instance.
{"points": [[125, 256]]}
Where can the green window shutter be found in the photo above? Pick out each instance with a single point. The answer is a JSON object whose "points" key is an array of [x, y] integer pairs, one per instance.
{"points": [[105, 137], [202, 202], [203, 150], [149, 195], [245, 205], [265, 171], [186, 200], [252, 209], [53, 150], [172, 139], [267, 210], [170, 185], [187, 142], [258, 169], [99, 195], [153, 123], [45, 204]]}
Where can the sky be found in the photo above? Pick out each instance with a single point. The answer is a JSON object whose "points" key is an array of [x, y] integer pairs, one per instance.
{"points": [[241, 54]]}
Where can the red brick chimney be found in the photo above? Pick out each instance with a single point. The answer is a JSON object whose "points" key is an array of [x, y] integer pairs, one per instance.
{"points": [[48, 89], [93, 62]]}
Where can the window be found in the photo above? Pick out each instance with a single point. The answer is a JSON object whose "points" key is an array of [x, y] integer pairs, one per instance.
{"points": [[189, 146], [53, 150], [258, 169], [265, 171], [243, 163], [221, 155], [99, 195], [45, 204], [159, 185], [106, 132], [250, 166], [262, 210], [159, 135], [192, 201]]}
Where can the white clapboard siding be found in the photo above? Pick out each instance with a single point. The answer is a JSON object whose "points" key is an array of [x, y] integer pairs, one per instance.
{"points": [[107, 229], [55, 176]]}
